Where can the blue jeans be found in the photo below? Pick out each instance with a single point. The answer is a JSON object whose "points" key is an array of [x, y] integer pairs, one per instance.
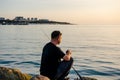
{"points": [[63, 69]]}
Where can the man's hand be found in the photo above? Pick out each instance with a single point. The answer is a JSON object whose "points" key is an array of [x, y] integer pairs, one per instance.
{"points": [[68, 52], [67, 55]]}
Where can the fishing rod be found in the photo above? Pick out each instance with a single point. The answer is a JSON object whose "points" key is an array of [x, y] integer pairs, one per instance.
{"points": [[72, 66], [77, 73]]}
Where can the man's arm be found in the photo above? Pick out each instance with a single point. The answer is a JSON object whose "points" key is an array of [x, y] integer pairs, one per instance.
{"points": [[67, 55]]}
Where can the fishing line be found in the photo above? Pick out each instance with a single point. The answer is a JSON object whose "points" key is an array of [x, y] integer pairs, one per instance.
{"points": [[77, 73], [72, 66], [45, 34]]}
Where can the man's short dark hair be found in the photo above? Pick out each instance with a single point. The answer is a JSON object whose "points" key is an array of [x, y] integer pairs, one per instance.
{"points": [[55, 34]]}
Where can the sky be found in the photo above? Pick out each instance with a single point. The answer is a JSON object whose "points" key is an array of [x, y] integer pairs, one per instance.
{"points": [[73, 11]]}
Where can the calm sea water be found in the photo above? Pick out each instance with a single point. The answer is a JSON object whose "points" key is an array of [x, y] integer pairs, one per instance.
{"points": [[95, 48]]}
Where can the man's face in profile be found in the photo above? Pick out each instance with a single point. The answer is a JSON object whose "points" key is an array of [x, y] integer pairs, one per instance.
{"points": [[59, 39]]}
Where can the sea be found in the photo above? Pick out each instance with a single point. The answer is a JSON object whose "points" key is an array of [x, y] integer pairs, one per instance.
{"points": [[95, 48]]}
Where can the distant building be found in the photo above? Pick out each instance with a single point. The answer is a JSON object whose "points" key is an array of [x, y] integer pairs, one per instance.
{"points": [[20, 18], [2, 18], [28, 19], [35, 19], [32, 19]]}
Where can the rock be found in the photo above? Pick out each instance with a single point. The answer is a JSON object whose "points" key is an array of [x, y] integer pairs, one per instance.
{"points": [[15, 74], [12, 74], [39, 77], [86, 78]]}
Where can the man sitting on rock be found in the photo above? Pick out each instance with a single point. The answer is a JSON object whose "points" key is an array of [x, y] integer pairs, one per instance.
{"points": [[51, 64]]}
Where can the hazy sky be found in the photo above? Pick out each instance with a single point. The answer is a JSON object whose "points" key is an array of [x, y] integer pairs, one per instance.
{"points": [[74, 11]]}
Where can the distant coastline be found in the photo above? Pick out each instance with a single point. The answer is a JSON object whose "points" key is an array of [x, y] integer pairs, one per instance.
{"points": [[23, 21]]}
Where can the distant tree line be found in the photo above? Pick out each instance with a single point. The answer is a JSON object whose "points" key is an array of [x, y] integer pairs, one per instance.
{"points": [[26, 22]]}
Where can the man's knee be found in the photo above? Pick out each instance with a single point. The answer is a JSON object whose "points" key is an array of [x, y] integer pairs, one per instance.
{"points": [[71, 60]]}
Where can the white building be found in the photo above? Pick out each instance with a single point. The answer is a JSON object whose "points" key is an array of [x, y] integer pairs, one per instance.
{"points": [[20, 18]]}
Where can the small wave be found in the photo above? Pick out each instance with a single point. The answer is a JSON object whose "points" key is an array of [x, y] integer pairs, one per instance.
{"points": [[116, 69], [28, 62], [38, 54], [6, 62], [94, 72], [6, 54], [104, 62], [114, 72]]}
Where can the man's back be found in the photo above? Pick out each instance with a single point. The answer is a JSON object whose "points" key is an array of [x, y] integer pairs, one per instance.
{"points": [[51, 57]]}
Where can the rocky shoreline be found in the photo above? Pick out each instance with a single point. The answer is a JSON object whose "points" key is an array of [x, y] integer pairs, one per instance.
{"points": [[25, 22], [16, 74]]}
